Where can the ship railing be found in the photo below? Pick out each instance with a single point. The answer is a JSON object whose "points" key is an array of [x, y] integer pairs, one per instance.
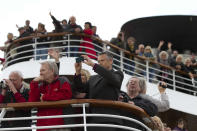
{"points": [[152, 71], [84, 105]]}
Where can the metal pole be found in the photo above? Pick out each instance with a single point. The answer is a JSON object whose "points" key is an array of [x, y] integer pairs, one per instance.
{"points": [[84, 117], [121, 60], [3, 112], [69, 45], [174, 80], [147, 70], [35, 48]]}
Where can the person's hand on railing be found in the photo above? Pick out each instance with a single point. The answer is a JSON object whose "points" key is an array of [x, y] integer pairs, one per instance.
{"points": [[131, 102], [191, 75], [77, 30], [178, 67]]}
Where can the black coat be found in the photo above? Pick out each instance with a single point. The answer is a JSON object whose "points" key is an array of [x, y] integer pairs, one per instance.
{"points": [[106, 85]]}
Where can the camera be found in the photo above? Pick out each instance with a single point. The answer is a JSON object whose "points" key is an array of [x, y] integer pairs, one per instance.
{"points": [[125, 97], [79, 59], [3, 85], [163, 86]]}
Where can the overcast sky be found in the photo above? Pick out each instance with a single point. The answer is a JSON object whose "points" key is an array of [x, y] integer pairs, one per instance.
{"points": [[107, 15]]}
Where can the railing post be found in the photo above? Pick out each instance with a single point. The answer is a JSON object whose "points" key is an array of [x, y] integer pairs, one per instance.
{"points": [[35, 48], [174, 80], [147, 70], [121, 60], [69, 45], [84, 117], [3, 112], [104, 47], [34, 121]]}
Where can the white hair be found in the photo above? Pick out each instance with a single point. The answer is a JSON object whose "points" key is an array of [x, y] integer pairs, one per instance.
{"points": [[17, 72], [52, 66]]}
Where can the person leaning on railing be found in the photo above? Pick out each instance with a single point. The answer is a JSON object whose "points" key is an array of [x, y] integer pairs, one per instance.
{"points": [[132, 96], [164, 57], [40, 52], [49, 87], [119, 42], [105, 85], [140, 63], [179, 66], [85, 45], [74, 28], [14, 90], [131, 47], [149, 55]]}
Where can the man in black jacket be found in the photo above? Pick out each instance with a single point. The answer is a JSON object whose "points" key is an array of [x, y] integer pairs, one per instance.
{"points": [[105, 85]]}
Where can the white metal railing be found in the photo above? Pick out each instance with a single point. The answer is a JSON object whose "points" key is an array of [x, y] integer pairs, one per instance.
{"points": [[83, 124], [131, 67]]}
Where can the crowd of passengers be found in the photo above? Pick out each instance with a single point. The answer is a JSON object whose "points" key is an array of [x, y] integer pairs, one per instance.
{"points": [[42, 49], [169, 58], [105, 85]]}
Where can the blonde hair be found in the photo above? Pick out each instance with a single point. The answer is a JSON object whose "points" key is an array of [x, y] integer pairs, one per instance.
{"points": [[187, 60], [157, 120], [86, 72], [148, 47]]}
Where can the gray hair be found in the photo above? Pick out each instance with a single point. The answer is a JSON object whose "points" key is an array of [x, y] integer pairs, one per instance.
{"points": [[18, 73], [142, 84], [109, 55], [163, 52], [52, 66], [130, 79]]}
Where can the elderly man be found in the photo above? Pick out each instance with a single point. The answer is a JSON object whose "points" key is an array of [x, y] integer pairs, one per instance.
{"points": [[74, 28], [133, 91], [105, 85], [49, 87], [15, 91]]}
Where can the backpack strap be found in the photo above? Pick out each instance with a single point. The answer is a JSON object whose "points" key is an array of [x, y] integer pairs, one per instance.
{"points": [[63, 79]]}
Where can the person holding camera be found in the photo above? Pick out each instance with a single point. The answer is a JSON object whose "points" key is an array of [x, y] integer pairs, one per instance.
{"points": [[163, 104], [14, 90], [105, 85]]}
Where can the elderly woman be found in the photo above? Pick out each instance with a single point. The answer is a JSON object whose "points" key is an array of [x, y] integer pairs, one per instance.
{"points": [[149, 55]]}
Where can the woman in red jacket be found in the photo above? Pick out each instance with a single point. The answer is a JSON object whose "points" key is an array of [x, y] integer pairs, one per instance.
{"points": [[87, 47]]}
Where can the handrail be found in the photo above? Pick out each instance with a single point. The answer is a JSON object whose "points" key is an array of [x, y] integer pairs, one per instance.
{"points": [[92, 102], [49, 34], [64, 103]]}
